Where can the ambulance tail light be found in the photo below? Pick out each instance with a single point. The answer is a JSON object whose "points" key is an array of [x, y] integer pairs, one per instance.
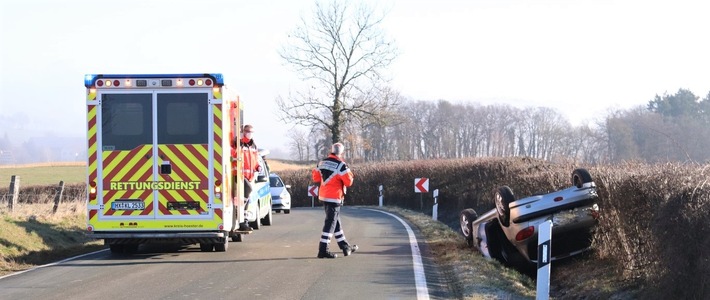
{"points": [[92, 190], [218, 187]]}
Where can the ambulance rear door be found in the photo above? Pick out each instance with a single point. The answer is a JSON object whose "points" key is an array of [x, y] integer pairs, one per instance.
{"points": [[154, 156]]}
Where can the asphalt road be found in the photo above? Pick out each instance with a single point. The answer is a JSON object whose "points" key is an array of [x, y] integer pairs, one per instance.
{"points": [[275, 262]]}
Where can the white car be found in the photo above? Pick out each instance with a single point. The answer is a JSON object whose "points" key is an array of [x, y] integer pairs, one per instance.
{"points": [[508, 232], [281, 198]]}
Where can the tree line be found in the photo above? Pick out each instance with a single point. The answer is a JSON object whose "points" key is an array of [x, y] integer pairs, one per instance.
{"points": [[671, 127]]}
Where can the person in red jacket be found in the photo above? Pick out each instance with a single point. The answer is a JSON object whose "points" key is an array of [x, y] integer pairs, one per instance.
{"points": [[250, 168], [334, 177]]}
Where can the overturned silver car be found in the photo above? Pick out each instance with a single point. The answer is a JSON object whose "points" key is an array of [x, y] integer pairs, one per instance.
{"points": [[509, 232]]}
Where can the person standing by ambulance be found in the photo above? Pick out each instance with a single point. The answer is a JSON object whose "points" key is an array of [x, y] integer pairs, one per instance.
{"points": [[250, 166], [334, 177]]}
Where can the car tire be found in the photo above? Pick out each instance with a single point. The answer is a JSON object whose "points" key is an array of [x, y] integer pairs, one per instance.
{"points": [[287, 211], [503, 197], [466, 218], [268, 219], [277, 211], [580, 177], [256, 225]]}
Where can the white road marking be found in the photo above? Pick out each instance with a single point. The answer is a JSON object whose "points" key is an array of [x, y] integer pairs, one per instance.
{"points": [[52, 264], [419, 275]]}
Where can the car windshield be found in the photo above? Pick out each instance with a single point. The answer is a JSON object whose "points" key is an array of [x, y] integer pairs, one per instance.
{"points": [[275, 182]]}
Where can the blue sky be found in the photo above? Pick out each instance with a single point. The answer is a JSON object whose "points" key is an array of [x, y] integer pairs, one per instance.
{"points": [[581, 58]]}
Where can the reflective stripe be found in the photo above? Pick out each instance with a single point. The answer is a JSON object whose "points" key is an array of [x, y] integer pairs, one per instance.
{"points": [[325, 241]]}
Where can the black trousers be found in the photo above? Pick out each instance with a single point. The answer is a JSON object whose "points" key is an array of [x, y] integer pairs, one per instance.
{"points": [[332, 227]]}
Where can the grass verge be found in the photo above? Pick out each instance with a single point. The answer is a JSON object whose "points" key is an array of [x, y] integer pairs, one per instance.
{"points": [[471, 275], [31, 235]]}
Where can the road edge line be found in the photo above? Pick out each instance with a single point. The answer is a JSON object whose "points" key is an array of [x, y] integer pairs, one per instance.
{"points": [[51, 264], [417, 265]]}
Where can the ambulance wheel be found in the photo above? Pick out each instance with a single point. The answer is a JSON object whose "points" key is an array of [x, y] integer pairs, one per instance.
{"points": [[204, 247], [268, 219], [222, 247], [287, 211]]}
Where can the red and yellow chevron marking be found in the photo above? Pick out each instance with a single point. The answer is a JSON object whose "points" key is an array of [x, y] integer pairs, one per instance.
{"points": [[93, 216], [218, 150], [189, 164], [92, 162], [127, 166]]}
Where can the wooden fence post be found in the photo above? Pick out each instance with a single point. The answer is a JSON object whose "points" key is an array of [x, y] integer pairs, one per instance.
{"points": [[14, 191], [58, 197]]}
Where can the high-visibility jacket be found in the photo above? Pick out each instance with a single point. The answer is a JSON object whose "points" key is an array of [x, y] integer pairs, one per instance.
{"points": [[334, 177], [250, 155]]}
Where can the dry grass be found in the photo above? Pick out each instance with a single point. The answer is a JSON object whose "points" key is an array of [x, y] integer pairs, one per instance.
{"points": [[471, 276], [31, 235], [281, 165]]}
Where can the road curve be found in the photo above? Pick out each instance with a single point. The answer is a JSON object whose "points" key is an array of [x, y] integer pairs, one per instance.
{"points": [[275, 262]]}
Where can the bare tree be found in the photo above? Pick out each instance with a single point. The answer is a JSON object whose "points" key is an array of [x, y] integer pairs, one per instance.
{"points": [[298, 144], [341, 53]]}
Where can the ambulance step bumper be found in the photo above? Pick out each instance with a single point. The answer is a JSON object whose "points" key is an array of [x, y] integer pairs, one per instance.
{"points": [[111, 238]]}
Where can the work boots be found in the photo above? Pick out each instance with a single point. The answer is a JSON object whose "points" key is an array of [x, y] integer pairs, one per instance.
{"points": [[327, 254], [347, 250], [245, 227]]}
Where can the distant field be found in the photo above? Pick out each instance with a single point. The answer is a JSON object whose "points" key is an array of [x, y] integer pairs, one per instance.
{"points": [[52, 173], [44, 174]]}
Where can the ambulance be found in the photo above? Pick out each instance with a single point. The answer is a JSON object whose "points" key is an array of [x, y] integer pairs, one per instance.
{"points": [[159, 163]]}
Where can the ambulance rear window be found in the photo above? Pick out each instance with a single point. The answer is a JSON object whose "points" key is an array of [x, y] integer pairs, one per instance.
{"points": [[126, 121], [182, 118]]}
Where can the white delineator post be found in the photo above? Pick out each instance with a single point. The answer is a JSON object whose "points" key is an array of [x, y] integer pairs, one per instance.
{"points": [[544, 254], [435, 209], [380, 188]]}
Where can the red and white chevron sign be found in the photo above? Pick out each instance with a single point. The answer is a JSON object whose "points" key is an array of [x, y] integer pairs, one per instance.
{"points": [[313, 190], [421, 185]]}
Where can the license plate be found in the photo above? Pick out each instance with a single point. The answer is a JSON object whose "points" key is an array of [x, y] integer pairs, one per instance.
{"points": [[128, 205]]}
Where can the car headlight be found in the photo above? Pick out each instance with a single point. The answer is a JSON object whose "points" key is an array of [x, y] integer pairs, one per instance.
{"points": [[284, 195]]}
